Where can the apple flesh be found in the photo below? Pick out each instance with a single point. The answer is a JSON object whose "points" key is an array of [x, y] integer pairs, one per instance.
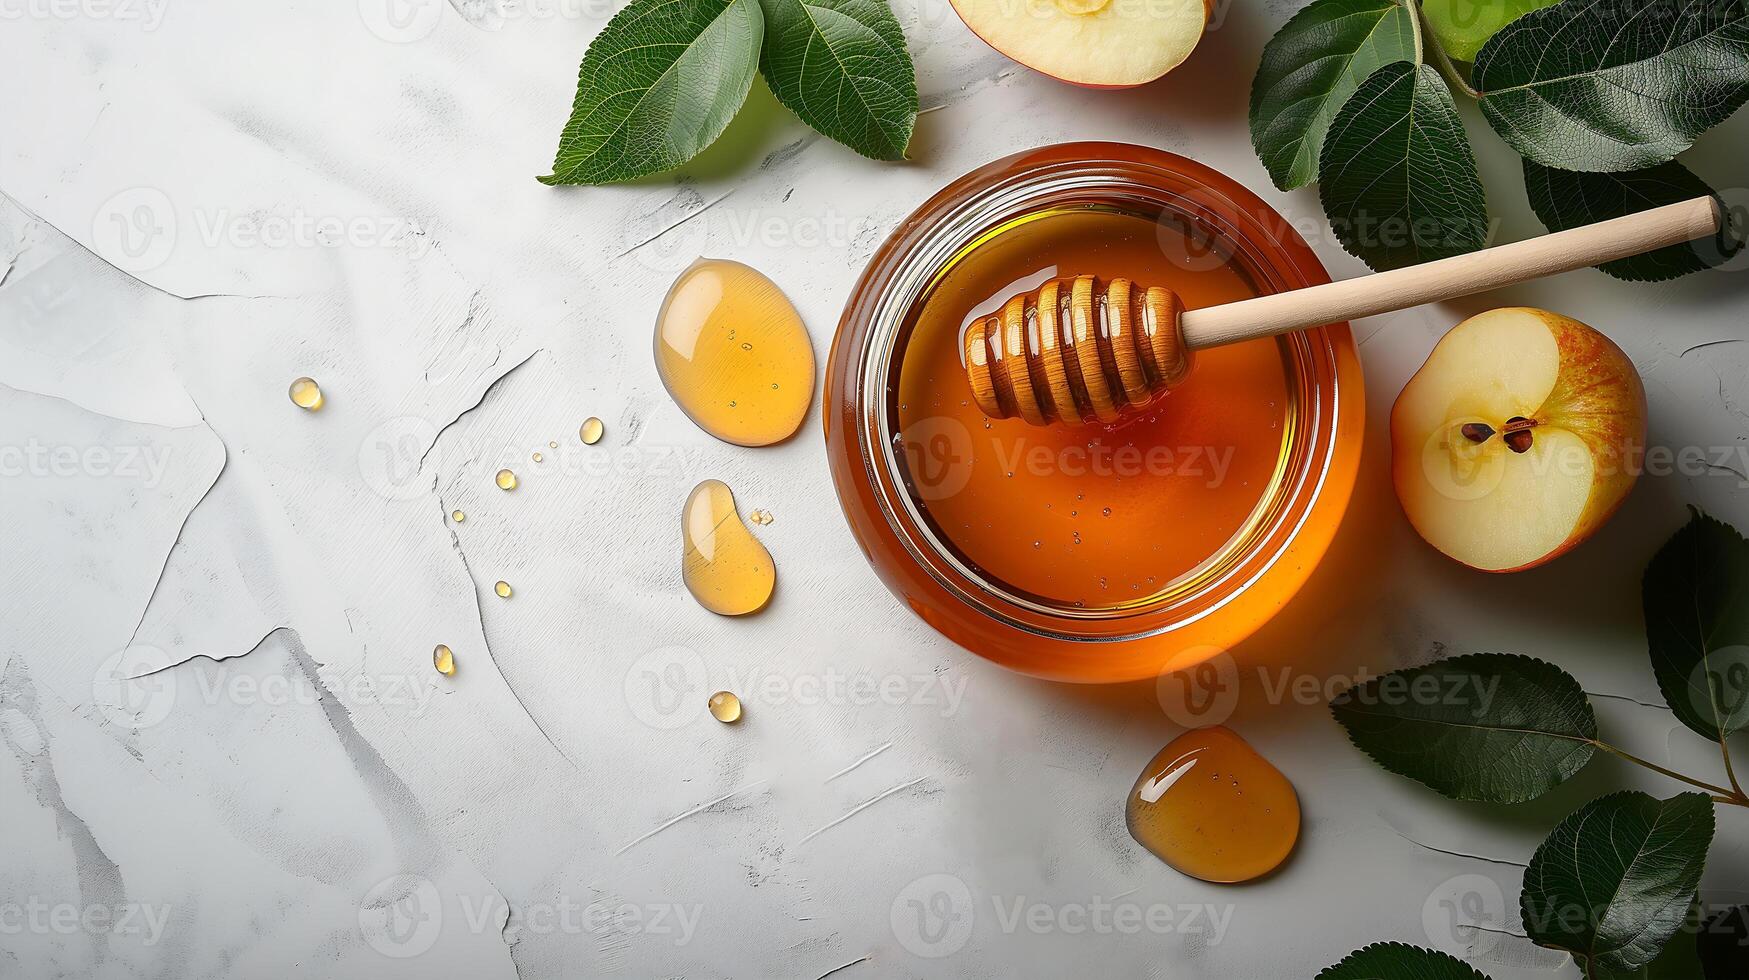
{"points": [[1519, 437], [1096, 43]]}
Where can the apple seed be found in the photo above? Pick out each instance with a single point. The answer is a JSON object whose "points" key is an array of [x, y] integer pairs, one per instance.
{"points": [[1477, 431], [1518, 440]]}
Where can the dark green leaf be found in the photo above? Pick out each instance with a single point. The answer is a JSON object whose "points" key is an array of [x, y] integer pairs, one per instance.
{"points": [[1614, 881], [1398, 180], [659, 84], [1696, 597], [1395, 961], [841, 66], [1566, 199], [1724, 945], [1680, 959], [1310, 68], [1586, 85], [1485, 726]]}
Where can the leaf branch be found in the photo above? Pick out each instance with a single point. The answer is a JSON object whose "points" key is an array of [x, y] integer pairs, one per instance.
{"points": [[1441, 60], [1733, 796]]}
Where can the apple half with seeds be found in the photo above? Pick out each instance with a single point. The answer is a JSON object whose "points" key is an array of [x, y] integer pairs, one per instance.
{"points": [[1519, 437], [1096, 43]]}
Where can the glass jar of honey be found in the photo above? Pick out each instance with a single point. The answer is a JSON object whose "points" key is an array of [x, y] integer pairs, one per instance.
{"points": [[1090, 551]]}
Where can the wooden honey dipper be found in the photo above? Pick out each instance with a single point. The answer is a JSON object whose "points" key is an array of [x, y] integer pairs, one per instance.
{"points": [[1083, 348]]}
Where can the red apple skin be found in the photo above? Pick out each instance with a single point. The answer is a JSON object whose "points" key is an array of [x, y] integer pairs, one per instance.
{"points": [[1208, 10], [1599, 396]]}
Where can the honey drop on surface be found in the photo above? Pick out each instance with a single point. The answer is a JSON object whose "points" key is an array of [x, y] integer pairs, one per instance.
{"points": [[590, 431], [306, 394], [734, 354], [506, 480], [725, 707], [503, 590], [443, 660], [725, 567], [761, 516], [537, 457], [457, 516], [1213, 808]]}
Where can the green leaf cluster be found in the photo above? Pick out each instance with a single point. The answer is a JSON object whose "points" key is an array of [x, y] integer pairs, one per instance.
{"points": [[664, 78], [1615, 883], [1597, 97]]}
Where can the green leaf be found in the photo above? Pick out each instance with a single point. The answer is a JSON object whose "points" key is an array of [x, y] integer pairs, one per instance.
{"points": [[1395, 961], [841, 66], [659, 84], [1680, 959], [1696, 598], [1585, 85], [1495, 727], [1399, 182], [1311, 66], [1613, 882], [1461, 26], [1567, 198]]}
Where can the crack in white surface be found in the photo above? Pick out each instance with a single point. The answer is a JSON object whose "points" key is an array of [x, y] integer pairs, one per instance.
{"points": [[702, 807], [858, 762], [859, 808], [484, 394]]}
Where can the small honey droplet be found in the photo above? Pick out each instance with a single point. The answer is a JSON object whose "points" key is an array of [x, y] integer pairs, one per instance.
{"points": [[306, 394], [725, 707], [443, 660], [734, 354], [762, 516], [503, 590], [537, 457], [554, 444], [457, 516], [1212, 828], [725, 567], [506, 480], [590, 431]]}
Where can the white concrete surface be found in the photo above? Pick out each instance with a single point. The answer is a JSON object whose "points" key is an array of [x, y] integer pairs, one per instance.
{"points": [[203, 201]]}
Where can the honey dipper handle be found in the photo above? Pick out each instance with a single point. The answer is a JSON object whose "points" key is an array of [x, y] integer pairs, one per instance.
{"points": [[1459, 275]]}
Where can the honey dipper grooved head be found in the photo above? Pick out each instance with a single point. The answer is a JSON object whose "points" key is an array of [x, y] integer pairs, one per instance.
{"points": [[1075, 350]]}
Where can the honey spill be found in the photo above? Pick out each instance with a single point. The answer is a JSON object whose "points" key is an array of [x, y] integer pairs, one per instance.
{"points": [[444, 660], [1210, 806], [590, 431], [734, 353], [725, 567], [1092, 515], [306, 394], [725, 707], [505, 479], [503, 590]]}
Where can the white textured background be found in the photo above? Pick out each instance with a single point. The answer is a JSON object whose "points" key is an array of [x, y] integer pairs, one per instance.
{"points": [[294, 778]]}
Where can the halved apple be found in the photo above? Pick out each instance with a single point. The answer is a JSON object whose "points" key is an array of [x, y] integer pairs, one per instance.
{"points": [[1097, 43], [1519, 437]]}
